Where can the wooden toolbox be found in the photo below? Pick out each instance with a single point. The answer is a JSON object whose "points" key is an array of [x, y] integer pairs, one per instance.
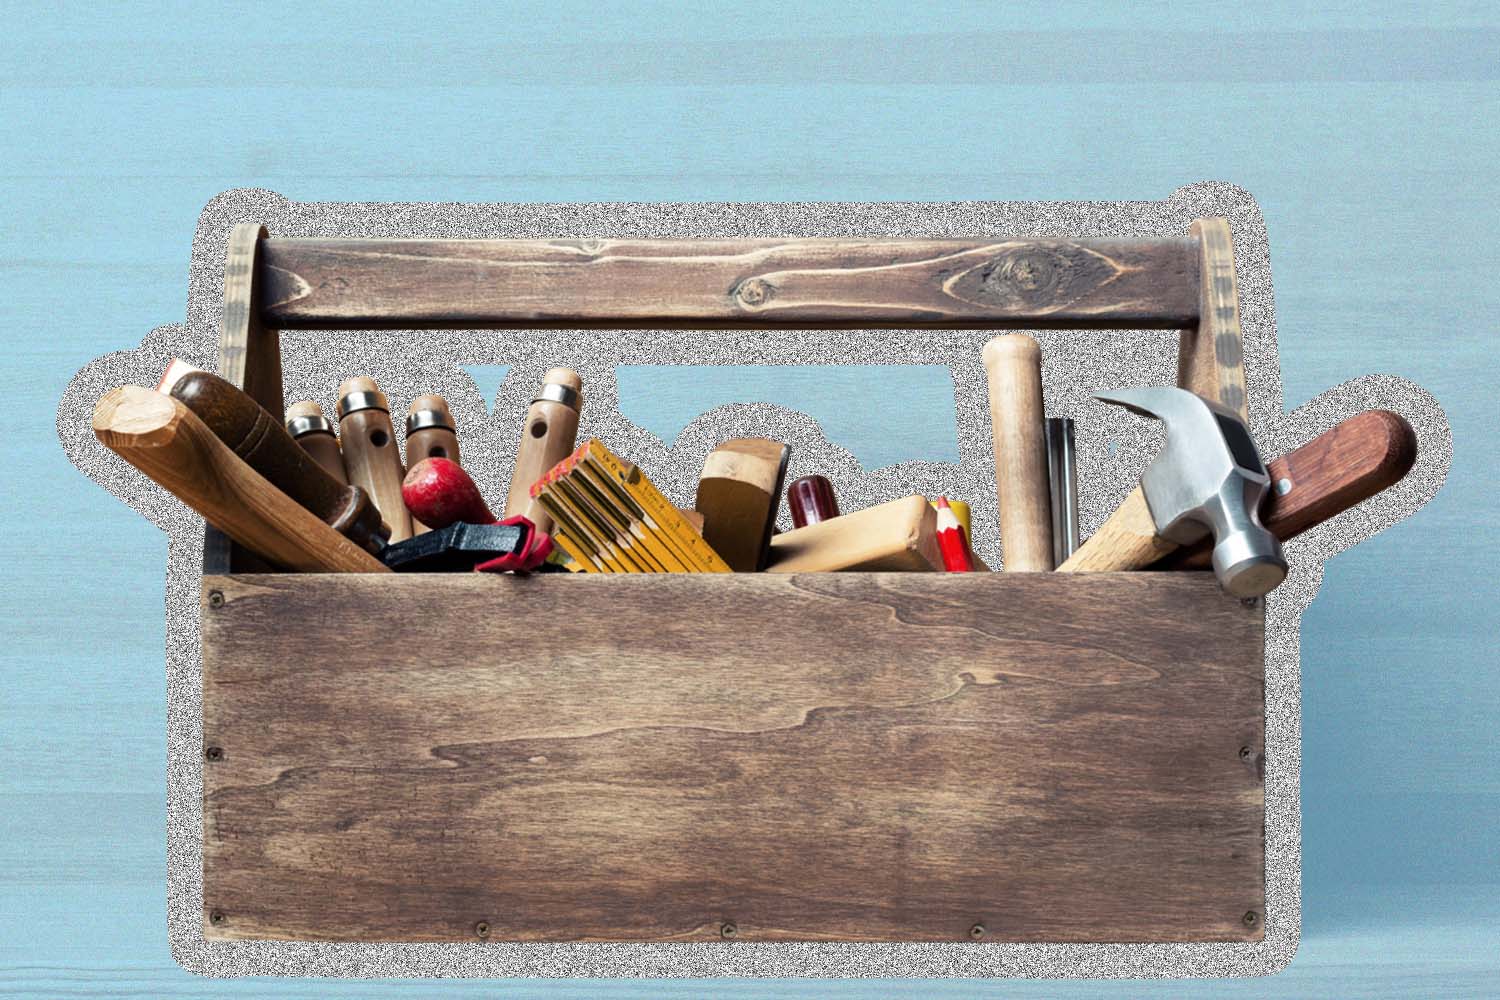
{"points": [[987, 756]]}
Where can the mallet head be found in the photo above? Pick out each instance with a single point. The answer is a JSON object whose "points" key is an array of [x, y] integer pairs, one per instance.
{"points": [[1209, 478]]}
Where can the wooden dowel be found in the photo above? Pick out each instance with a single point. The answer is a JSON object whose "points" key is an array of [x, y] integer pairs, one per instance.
{"points": [[1014, 366], [165, 440]]}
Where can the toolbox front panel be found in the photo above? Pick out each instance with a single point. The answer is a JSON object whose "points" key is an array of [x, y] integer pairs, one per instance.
{"points": [[903, 757]]}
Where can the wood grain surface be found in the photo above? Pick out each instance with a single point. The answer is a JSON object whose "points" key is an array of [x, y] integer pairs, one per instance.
{"points": [[862, 756], [383, 284]]}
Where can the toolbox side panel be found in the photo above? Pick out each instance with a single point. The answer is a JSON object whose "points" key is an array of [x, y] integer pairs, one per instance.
{"points": [[1006, 757]]}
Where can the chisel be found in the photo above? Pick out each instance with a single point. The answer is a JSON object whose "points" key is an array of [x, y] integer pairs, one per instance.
{"points": [[547, 437], [315, 434], [370, 454], [430, 433], [1062, 471]]}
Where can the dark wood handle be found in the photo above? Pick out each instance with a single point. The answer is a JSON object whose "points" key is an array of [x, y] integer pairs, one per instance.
{"points": [[159, 435], [1351, 462], [261, 440]]}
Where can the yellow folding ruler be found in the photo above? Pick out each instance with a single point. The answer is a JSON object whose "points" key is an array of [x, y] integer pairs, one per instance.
{"points": [[612, 519]]}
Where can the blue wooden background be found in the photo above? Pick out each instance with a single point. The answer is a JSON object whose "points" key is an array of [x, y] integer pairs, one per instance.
{"points": [[1368, 139]]}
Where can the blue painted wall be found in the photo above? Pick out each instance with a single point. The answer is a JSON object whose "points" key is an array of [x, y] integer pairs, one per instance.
{"points": [[1368, 140]]}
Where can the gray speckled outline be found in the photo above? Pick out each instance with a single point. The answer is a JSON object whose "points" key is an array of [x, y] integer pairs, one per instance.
{"points": [[1113, 448]]}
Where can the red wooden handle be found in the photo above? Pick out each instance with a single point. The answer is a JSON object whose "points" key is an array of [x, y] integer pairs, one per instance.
{"points": [[1350, 462], [438, 492]]}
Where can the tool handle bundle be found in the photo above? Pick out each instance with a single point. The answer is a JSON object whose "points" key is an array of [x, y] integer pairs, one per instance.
{"points": [[307, 495]]}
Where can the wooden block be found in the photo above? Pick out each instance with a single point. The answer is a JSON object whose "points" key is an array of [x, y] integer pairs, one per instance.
{"points": [[820, 757], [895, 536], [738, 493]]}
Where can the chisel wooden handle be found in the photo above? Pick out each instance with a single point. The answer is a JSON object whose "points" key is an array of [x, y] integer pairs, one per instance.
{"points": [[259, 438], [429, 434], [1014, 365], [315, 434], [164, 439], [429, 431], [547, 437], [1349, 463], [370, 453]]}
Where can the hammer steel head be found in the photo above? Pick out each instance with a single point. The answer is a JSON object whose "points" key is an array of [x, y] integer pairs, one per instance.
{"points": [[1209, 478]]}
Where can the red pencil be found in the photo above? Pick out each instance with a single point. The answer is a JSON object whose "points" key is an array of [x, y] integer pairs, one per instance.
{"points": [[951, 540]]}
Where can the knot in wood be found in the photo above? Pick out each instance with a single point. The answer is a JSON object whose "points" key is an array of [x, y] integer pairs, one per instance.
{"points": [[1027, 277], [1036, 277], [754, 292]]}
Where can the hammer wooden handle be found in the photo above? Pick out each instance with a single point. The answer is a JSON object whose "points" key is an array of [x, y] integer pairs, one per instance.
{"points": [[264, 443], [1349, 463], [165, 440], [1126, 540], [1014, 366]]}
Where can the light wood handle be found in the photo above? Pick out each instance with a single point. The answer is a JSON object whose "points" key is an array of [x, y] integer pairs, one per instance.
{"points": [[429, 442], [1126, 540], [547, 437], [322, 446], [432, 442], [165, 440], [372, 459], [1014, 365]]}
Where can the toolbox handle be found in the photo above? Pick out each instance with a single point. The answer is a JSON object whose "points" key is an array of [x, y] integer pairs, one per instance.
{"points": [[1185, 283]]}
